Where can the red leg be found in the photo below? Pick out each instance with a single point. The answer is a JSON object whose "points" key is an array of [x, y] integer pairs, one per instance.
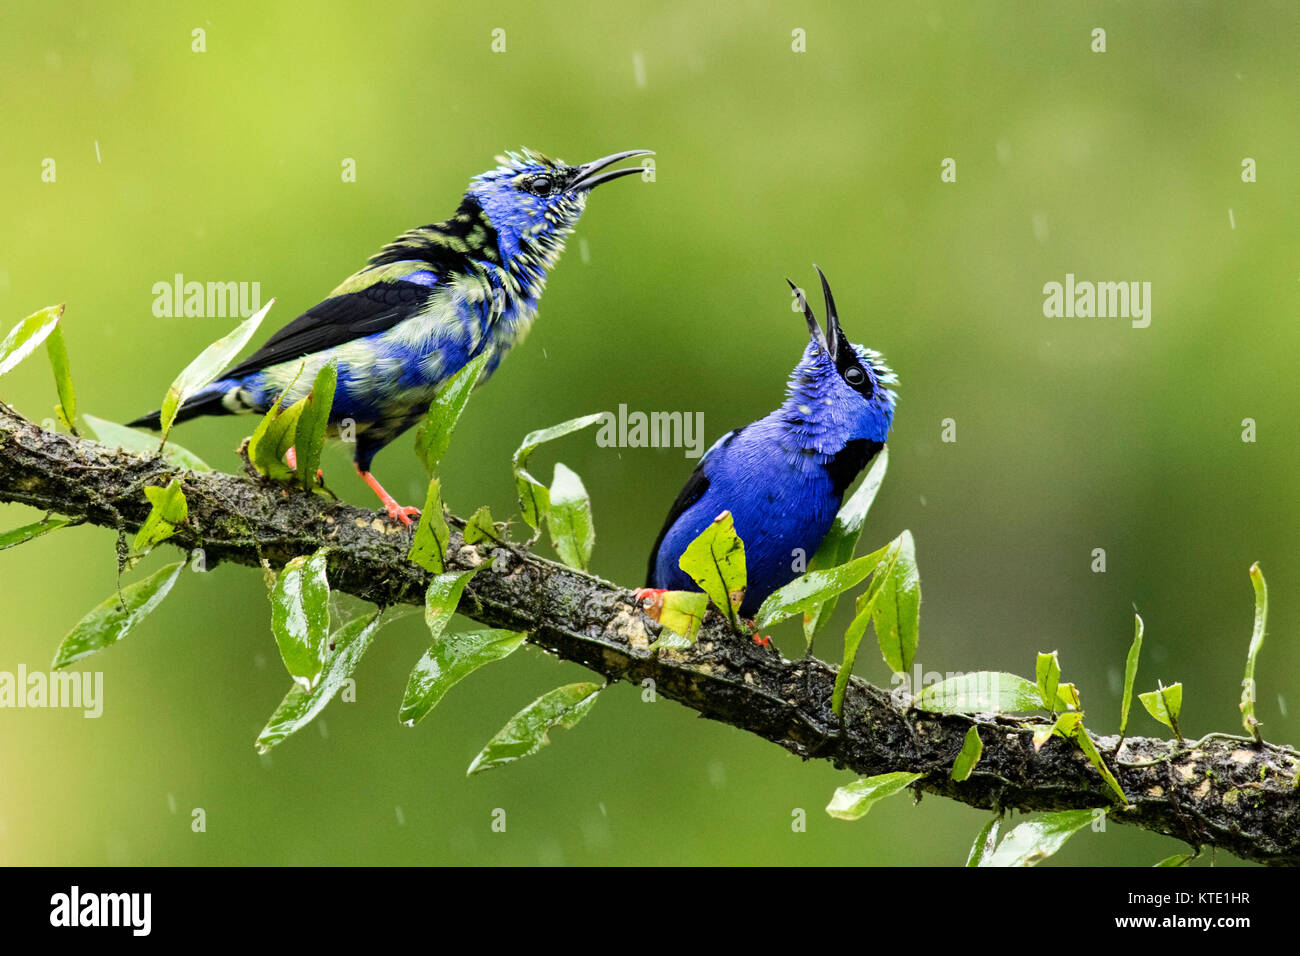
{"points": [[291, 459], [402, 514], [651, 601]]}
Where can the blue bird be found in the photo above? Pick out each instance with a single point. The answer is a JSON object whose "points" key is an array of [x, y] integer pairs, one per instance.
{"points": [[424, 306], [783, 477]]}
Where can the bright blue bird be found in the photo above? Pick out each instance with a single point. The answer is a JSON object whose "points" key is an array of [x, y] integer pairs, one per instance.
{"points": [[783, 477], [424, 306]]}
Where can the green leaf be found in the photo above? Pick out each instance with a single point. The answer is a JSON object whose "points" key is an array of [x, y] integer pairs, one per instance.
{"points": [[534, 498], [25, 337], [128, 439], [1248, 718], [434, 434], [716, 562], [313, 422], [1130, 674], [429, 546], [274, 436], [1048, 672], [573, 534], [527, 731], [300, 706], [1029, 843], [1178, 859], [442, 598], [842, 540], [814, 589], [681, 613], [1067, 697], [896, 608], [1164, 704], [984, 843], [450, 660], [58, 353], [300, 617], [169, 508], [972, 748], [11, 539], [851, 802], [480, 527], [112, 620], [980, 692], [1064, 726], [207, 366], [1089, 749], [866, 604]]}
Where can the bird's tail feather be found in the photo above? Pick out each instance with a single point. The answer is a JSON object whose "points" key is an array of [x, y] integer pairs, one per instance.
{"points": [[206, 402]]}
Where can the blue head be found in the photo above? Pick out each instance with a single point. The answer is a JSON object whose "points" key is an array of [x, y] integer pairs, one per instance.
{"points": [[534, 201], [839, 391]]}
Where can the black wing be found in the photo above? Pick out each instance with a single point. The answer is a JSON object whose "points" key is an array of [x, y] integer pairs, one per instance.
{"points": [[337, 320], [696, 485]]}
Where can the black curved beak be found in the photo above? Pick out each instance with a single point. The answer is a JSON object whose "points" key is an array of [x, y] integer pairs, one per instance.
{"points": [[834, 334], [589, 175], [814, 330]]}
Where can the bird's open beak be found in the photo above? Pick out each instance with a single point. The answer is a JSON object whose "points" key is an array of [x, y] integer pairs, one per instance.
{"points": [[814, 330], [834, 334], [590, 175]]}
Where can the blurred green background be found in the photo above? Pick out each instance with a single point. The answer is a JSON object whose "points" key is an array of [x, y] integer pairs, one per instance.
{"points": [[1072, 434]]}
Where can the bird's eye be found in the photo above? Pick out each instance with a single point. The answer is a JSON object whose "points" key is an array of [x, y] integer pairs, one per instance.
{"points": [[854, 376], [541, 186]]}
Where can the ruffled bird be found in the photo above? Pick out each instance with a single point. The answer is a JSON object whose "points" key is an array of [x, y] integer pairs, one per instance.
{"points": [[783, 477], [424, 306]]}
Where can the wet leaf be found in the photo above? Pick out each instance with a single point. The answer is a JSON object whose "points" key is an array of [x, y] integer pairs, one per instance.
{"points": [[434, 435], [842, 540], [207, 366], [715, 560], [300, 617], [451, 659], [11, 539], [25, 337], [681, 613], [429, 546], [572, 532], [301, 706], [1164, 704], [1130, 673], [168, 509], [313, 423], [528, 731], [1029, 843], [534, 497], [972, 748], [480, 527], [1048, 672], [812, 590], [866, 603], [980, 692], [113, 619], [985, 841], [852, 801], [58, 353], [1248, 718]]}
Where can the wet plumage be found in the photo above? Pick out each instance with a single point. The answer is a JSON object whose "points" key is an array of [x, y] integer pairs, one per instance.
{"points": [[783, 477], [430, 301]]}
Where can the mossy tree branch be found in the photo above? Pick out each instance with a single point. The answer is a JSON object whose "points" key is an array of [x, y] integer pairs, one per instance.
{"points": [[1221, 792]]}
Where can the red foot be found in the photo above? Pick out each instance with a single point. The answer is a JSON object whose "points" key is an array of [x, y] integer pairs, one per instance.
{"points": [[291, 459], [762, 641], [651, 601], [398, 512]]}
